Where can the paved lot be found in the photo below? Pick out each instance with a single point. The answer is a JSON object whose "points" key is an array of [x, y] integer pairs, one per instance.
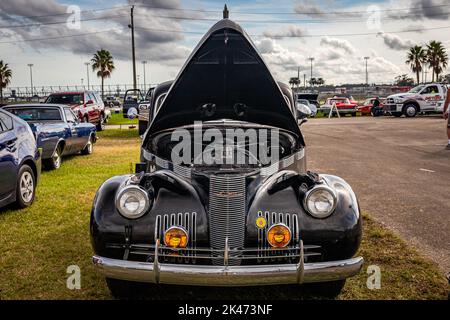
{"points": [[399, 169]]}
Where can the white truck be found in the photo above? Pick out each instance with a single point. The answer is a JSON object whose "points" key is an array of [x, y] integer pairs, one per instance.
{"points": [[425, 98]]}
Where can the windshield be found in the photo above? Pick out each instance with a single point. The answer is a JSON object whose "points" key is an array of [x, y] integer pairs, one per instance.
{"points": [[71, 98], [37, 114], [416, 89]]}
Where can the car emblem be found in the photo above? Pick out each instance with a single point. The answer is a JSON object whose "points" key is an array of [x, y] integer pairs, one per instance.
{"points": [[229, 194], [261, 222]]}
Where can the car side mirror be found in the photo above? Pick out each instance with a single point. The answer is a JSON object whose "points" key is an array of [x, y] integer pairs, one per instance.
{"points": [[132, 113]]}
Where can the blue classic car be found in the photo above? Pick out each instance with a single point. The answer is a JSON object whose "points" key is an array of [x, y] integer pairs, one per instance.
{"points": [[20, 161], [57, 130]]}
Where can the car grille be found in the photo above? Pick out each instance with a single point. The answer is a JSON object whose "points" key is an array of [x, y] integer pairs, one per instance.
{"points": [[227, 214]]}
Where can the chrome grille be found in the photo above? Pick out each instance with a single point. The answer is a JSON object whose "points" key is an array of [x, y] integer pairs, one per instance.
{"points": [[227, 214]]}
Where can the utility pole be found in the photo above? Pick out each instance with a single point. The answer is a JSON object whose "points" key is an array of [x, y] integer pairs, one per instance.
{"points": [[304, 81], [143, 65], [31, 77], [298, 78], [87, 72], [367, 74], [311, 59], [131, 26]]}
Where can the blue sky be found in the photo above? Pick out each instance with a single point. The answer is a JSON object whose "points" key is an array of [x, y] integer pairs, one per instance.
{"points": [[327, 30]]}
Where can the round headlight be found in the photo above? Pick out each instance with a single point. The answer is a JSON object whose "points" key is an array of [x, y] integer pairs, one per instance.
{"points": [[320, 201], [132, 202], [279, 235], [176, 237]]}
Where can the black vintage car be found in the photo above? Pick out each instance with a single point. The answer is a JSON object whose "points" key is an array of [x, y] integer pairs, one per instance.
{"points": [[196, 216]]}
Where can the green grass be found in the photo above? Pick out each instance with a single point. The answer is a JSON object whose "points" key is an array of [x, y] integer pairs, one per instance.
{"points": [[118, 119], [40, 242]]}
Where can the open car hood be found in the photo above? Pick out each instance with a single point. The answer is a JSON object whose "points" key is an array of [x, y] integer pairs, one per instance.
{"points": [[225, 78]]}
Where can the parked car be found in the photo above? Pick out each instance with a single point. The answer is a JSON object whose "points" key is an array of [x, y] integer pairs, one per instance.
{"points": [[425, 98], [310, 106], [343, 105], [57, 130], [367, 105], [87, 105], [132, 99], [183, 219], [113, 103], [20, 161]]}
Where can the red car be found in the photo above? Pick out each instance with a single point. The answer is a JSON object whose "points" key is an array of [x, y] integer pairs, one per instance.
{"points": [[366, 108], [343, 105], [88, 105]]}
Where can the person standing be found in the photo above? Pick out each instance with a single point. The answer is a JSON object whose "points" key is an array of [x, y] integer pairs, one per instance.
{"points": [[446, 117]]}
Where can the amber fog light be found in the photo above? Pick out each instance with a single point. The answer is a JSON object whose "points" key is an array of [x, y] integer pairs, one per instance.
{"points": [[279, 235], [176, 237]]}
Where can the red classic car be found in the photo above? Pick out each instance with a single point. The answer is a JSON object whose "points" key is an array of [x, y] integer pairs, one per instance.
{"points": [[343, 105], [366, 107]]}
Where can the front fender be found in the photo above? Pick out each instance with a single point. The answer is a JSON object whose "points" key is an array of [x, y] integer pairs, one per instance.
{"points": [[339, 235]]}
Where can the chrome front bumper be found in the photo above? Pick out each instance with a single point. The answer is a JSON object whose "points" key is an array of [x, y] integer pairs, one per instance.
{"points": [[201, 275]]}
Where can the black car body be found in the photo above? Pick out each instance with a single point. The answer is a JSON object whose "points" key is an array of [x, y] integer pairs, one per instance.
{"points": [[57, 130], [20, 161], [229, 224]]}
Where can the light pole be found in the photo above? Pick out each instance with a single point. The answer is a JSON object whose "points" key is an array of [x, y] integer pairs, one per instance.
{"points": [[143, 66], [87, 72], [367, 73], [311, 59], [133, 54], [31, 77]]}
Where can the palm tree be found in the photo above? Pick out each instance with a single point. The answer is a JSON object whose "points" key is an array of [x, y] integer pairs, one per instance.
{"points": [[294, 82], [437, 58], [103, 62], [320, 81], [5, 77], [415, 58]]}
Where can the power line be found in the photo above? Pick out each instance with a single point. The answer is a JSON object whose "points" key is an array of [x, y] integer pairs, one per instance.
{"points": [[56, 37], [58, 22], [306, 35]]}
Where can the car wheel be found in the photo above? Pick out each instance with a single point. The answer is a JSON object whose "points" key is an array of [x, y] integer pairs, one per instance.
{"points": [[89, 148], [353, 114], [410, 110], [329, 290], [101, 123], [55, 161], [26, 187], [129, 290]]}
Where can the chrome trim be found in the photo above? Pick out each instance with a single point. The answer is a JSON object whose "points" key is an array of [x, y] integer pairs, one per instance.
{"points": [[202, 275]]}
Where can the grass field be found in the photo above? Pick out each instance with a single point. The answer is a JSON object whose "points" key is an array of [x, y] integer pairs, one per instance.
{"points": [[39, 243], [117, 119]]}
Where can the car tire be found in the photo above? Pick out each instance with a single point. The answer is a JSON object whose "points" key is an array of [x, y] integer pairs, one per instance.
{"points": [[26, 187], [410, 110], [89, 148], [129, 290], [101, 123], [396, 114], [328, 290], [55, 161], [353, 114]]}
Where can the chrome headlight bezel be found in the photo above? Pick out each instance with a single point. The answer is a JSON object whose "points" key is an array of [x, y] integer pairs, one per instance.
{"points": [[143, 208], [315, 189]]}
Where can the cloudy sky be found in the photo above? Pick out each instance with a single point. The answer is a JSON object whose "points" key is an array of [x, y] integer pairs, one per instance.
{"points": [[337, 33]]}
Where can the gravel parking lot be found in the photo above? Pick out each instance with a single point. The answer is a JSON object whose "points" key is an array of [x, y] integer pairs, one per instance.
{"points": [[399, 169]]}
